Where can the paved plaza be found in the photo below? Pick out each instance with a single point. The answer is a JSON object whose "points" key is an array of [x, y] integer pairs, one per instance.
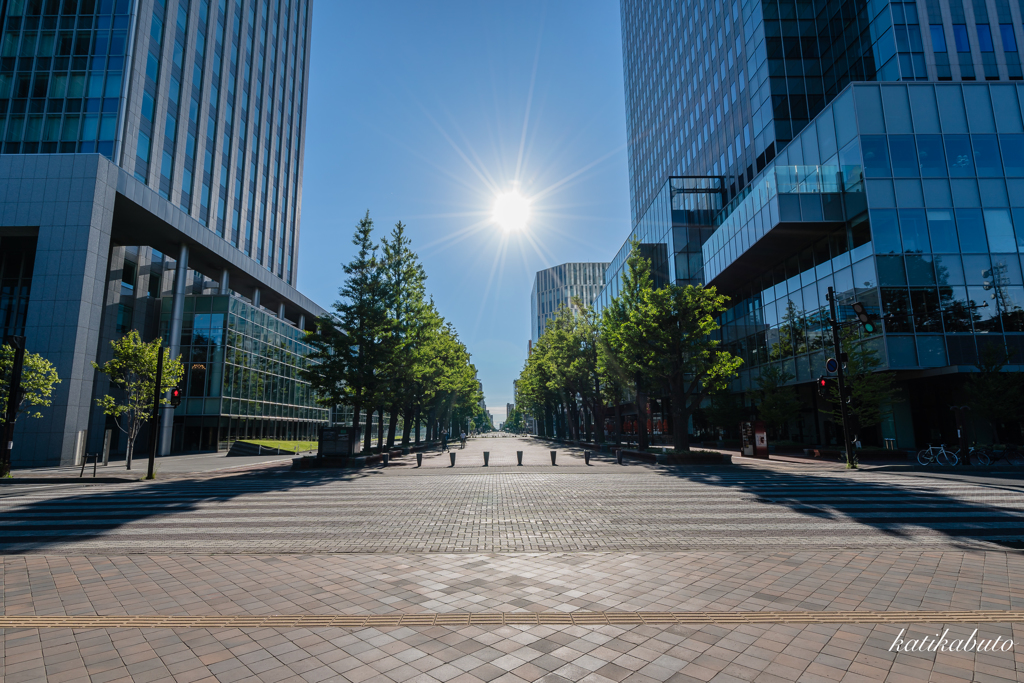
{"points": [[755, 572]]}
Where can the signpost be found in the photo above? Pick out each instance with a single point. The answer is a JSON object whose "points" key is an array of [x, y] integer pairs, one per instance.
{"points": [[851, 458]]}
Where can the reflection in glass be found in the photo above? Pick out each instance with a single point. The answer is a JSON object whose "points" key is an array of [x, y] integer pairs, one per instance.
{"points": [[943, 231], [1012, 309], [896, 310], [956, 312], [986, 156], [885, 232], [876, 156], [971, 230], [920, 270], [1000, 230], [1013, 154], [933, 160], [958, 155], [984, 309], [914, 231], [925, 302], [904, 156]]}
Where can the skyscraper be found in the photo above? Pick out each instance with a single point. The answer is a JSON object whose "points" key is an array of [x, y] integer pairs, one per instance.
{"points": [[778, 149], [144, 138], [558, 286]]}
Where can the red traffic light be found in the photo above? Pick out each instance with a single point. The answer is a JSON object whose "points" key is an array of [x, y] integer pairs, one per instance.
{"points": [[175, 397]]}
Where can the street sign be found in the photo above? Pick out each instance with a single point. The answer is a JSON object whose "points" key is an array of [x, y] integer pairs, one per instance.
{"points": [[832, 365]]}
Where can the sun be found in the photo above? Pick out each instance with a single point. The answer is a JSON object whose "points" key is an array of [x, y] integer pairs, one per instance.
{"points": [[511, 211]]}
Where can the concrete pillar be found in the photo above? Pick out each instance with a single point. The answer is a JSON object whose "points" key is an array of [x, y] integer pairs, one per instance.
{"points": [[280, 310], [225, 282], [302, 322], [174, 344], [256, 297]]}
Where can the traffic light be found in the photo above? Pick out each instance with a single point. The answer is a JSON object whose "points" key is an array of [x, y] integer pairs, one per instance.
{"points": [[823, 386], [864, 317], [175, 397]]}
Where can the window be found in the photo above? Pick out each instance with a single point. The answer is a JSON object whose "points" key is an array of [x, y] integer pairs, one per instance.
{"points": [[1009, 41], [985, 38], [960, 38], [938, 38]]}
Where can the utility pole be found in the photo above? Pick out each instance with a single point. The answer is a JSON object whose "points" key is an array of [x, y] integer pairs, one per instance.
{"points": [[13, 401], [851, 460], [156, 411]]}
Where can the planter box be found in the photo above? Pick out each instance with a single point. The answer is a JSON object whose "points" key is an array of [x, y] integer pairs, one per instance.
{"points": [[328, 462]]}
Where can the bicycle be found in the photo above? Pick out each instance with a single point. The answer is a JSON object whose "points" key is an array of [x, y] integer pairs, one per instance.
{"points": [[937, 455]]}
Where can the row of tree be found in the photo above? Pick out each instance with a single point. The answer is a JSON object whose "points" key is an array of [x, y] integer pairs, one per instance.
{"points": [[660, 342], [648, 341], [385, 348]]}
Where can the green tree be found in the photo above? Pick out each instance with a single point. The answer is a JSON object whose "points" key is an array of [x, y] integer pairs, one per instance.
{"points": [[629, 328], [405, 284], [777, 404], [348, 350], [995, 396], [872, 390], [38, 377], [514, 421], [687, 356], [132, 371]]}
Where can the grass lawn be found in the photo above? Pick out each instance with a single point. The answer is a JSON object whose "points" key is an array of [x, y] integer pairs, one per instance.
{"points": [[293, 446]]}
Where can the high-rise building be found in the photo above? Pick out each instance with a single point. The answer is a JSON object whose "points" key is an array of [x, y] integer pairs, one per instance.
{"points": [[778, 149], [558, 286], [152, 173]]}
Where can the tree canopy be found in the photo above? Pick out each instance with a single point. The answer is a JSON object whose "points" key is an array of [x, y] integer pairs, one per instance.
{"points": [[384, 346]]}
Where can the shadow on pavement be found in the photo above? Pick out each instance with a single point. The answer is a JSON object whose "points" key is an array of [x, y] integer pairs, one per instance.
{"points": [[888, 508], [36, 524]]}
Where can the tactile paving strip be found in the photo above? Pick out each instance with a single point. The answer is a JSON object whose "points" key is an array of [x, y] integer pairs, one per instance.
{"points": [[456, 619]]}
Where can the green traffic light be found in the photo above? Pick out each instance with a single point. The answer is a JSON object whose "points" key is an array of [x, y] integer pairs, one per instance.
{"points": [[869, 328]]}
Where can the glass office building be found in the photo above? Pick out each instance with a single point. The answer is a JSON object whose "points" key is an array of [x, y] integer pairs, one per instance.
{"points": [[242, 376], [855, 145], [558, 286], [151, 152]]}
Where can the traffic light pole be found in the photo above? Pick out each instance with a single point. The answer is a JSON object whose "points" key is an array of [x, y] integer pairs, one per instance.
{"points": [[151, 474], [851, 460]]}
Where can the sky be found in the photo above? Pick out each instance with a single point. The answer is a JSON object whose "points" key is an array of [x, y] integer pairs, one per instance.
{"points": [[425, 112]]}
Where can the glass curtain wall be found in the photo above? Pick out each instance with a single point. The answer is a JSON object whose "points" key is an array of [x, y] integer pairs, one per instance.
{"points": [[242, 376]]}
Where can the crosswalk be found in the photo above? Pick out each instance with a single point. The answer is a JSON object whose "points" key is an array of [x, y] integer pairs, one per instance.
{"points": [[508, 511]]}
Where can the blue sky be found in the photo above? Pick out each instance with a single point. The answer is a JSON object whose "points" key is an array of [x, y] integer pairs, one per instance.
{"points": [[421, 112]]}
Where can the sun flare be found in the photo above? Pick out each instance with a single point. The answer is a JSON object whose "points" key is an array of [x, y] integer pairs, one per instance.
{"points": [[511, 211]]}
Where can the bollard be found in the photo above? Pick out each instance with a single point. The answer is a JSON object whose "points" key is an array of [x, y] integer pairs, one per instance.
{"points": [[487, 457], [553, 454], [386, 458], [519, 458], [618, 456], [451, 454], [586, 457], [419, 460]]}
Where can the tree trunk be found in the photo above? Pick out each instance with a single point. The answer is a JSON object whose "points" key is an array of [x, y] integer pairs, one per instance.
{"points": [[407, 418], [368, 436], [380, 429], [680, 420], [641, 419], [618, 423], [417, 437], [355, 422], [393, 426]]}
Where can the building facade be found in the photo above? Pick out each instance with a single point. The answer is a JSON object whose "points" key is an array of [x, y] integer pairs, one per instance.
{"points": [[850, 145], [558, 286], [152, 162]]}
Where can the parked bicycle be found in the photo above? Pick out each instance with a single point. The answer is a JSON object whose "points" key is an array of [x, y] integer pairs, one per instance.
{"points": [[938, 455]]}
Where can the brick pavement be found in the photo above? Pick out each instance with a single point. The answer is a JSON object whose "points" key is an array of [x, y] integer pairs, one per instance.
{"points": [[760, 540]]}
